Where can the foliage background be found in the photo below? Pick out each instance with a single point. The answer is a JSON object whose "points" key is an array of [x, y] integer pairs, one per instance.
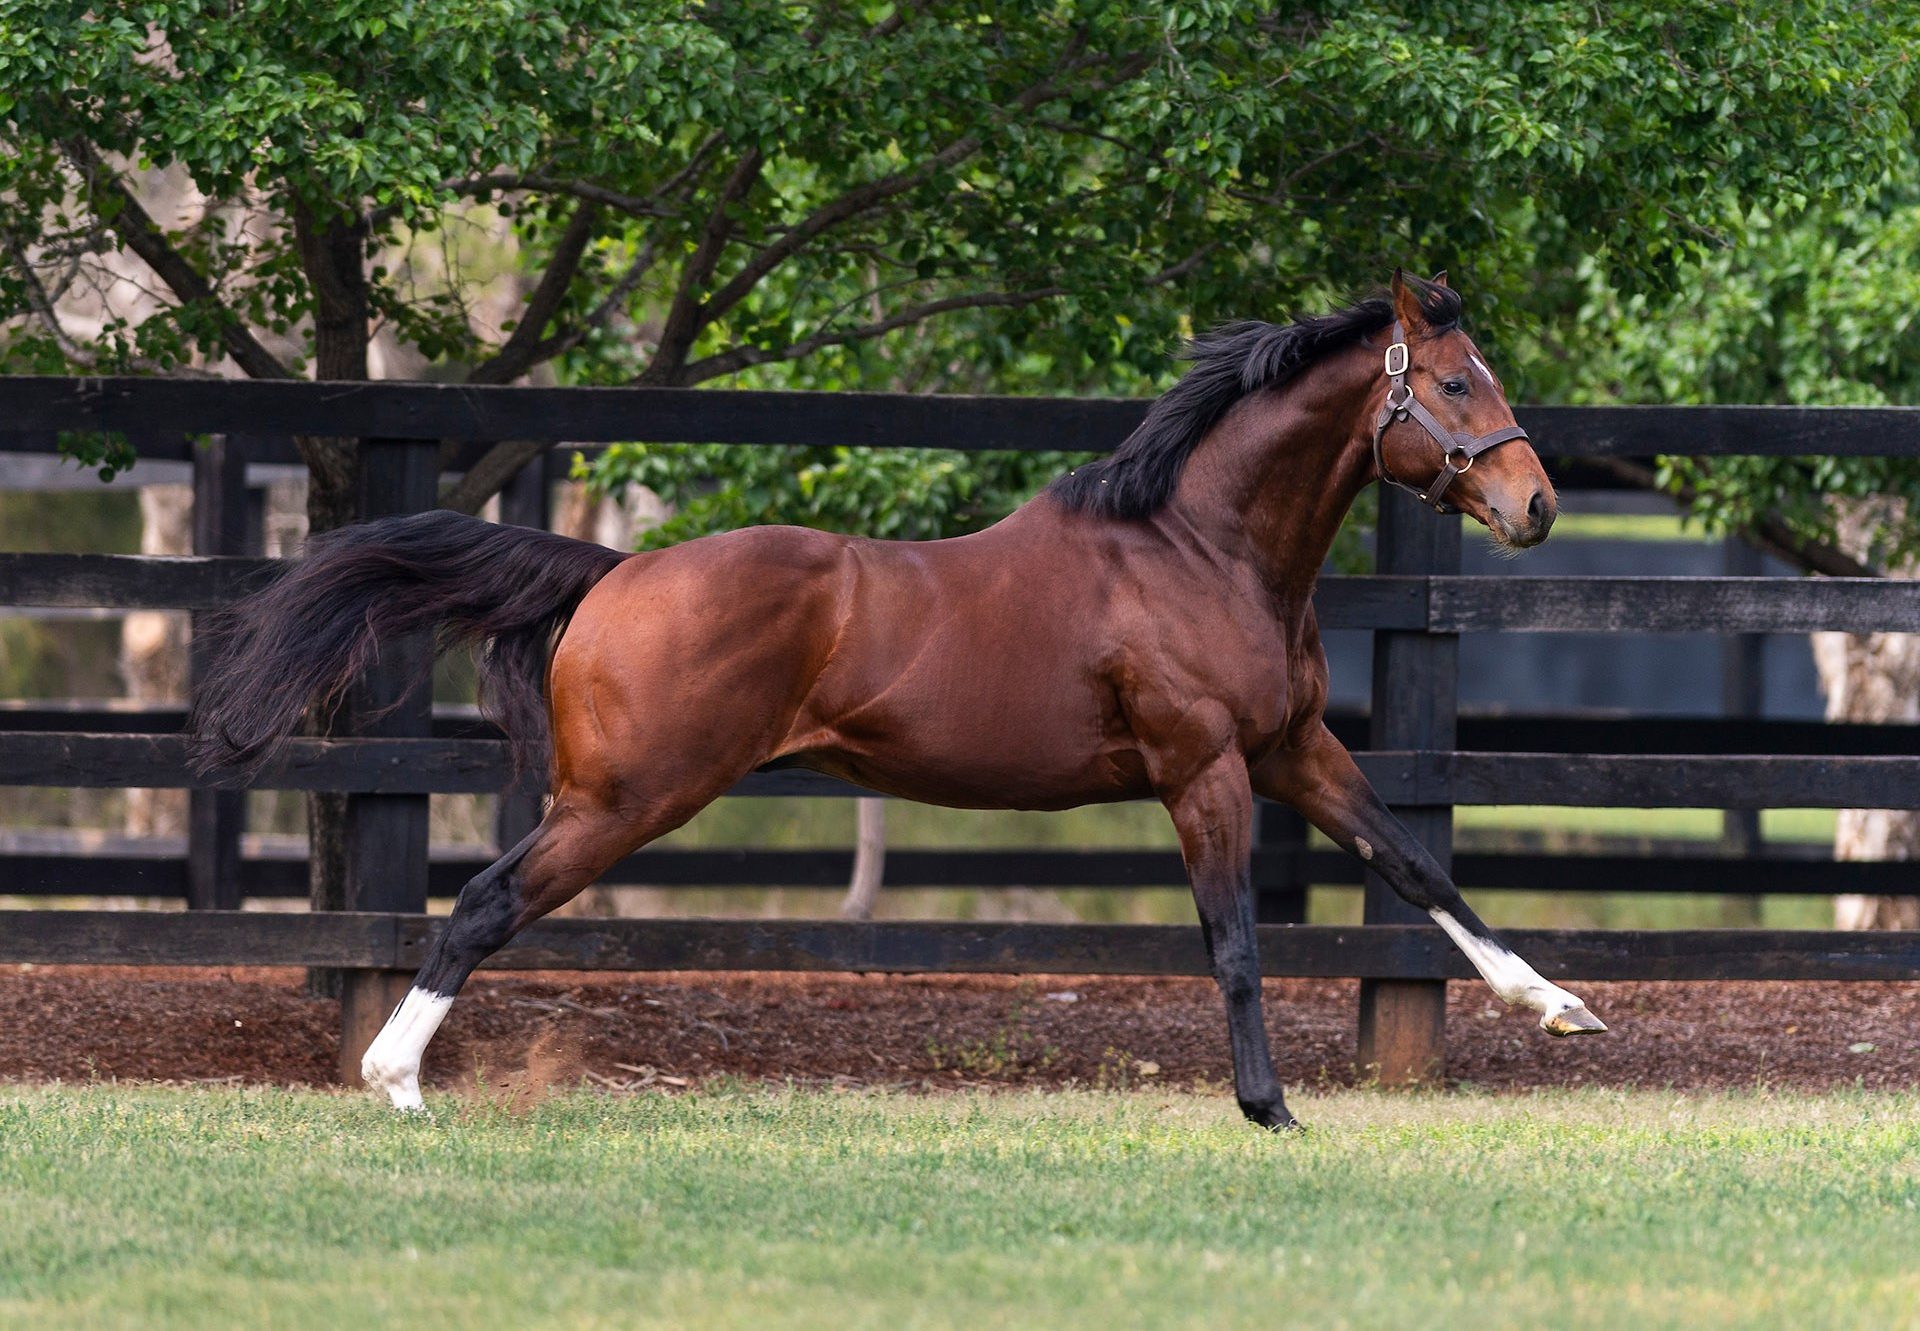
{"points": [[1642, 200]]}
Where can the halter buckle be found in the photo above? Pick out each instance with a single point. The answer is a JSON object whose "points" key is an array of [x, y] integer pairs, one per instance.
{"points": [[1397, 367], [1462, 453]]}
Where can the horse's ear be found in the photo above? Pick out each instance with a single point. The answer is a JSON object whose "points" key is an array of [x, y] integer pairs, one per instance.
{"points": [[1406, 305], [1440, 278]]}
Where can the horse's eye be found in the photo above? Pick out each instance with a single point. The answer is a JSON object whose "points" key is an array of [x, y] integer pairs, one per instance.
{"points": [[1454, 388]]}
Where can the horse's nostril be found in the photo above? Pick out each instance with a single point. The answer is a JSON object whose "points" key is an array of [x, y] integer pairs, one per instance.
{"points": [[1537, 509]]}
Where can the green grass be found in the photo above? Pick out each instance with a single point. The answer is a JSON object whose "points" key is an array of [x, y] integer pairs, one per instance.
{"points": [[154, 1208]]}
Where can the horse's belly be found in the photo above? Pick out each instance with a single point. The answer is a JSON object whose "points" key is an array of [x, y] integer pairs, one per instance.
{"points": [[965, 782], [979, 743]]}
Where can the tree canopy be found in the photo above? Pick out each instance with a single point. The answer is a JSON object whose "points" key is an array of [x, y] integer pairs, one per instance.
{"points": [[931, 196], [1819, 307]]}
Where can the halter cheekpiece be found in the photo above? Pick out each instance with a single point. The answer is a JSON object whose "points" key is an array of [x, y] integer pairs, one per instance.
{"points": [[1458, 450]]}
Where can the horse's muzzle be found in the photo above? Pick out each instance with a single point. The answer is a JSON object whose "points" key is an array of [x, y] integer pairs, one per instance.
{"points": [[1529, 528]]}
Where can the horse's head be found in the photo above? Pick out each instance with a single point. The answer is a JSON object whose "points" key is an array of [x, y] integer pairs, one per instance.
{"points": [[1443, 428]]}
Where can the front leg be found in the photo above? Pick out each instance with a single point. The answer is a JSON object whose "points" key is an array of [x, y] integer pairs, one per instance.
{"points": [[1323, 783], [1213, 813]]}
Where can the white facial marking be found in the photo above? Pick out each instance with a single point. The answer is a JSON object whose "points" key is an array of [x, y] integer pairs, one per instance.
{"points": [[392, 1062], [1506, 973], [1481, 366], [1363, 848]]}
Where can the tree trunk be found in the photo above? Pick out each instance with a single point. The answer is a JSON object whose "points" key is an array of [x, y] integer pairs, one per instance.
{"points": [[869, 860], [1872, 678], [333, 253]]}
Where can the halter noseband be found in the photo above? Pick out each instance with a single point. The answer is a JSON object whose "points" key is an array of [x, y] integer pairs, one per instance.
{"points": [[1458, 450]]}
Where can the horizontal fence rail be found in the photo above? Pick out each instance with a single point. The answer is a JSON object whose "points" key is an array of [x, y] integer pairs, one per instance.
{"points": [[38, 407], [1436, 604], [1418, 777], [1399, 952], [1498, 731], [83, 868]]}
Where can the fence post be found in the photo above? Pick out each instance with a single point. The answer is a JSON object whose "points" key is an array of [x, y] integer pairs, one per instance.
{"points": [[527, 501], [1743, 692], [386, 835], [1415, 706], [215, 818]]}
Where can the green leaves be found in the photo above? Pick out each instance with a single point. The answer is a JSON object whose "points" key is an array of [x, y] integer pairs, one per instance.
{"points": [[943, 197], [1817, 307], [894, 493]]}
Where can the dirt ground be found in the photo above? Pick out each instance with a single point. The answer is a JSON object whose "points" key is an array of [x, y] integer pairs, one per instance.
{"points": [[630, 1032]]}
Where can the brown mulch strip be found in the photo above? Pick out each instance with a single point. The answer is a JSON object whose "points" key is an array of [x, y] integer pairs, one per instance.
{"points": [[258, 1025]]}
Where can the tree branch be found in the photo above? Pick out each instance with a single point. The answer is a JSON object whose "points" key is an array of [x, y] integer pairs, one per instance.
{"points": [[491, 471], [43, 308], [1282, 188], [138, 230], [851, 204], [696, 163], [1769, 533], [1174, 272], [686, 317], [637, 205], [518, 354], [499, 464], [739, 358], [863, 198]]}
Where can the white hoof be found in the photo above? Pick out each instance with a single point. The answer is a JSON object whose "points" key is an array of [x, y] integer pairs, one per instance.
{"points": [[402, 1085], [392, 1061], [1575, 1020]]}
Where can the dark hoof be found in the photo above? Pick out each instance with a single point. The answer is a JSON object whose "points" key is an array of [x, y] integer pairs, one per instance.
{"points": [[1273, 1117]]}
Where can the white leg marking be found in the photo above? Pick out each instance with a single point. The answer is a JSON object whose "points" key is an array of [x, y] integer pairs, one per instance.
{"points": [[1509, 976], [392, 1063]]}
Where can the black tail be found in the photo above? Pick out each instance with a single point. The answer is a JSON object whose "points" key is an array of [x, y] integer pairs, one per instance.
{"points": [[510, 589]]}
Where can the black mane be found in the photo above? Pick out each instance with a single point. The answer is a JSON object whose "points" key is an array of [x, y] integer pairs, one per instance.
{"points": [[1138, 477]]}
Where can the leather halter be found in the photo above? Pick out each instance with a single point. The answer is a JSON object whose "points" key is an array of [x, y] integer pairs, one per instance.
{"points": [[1458, 450]]}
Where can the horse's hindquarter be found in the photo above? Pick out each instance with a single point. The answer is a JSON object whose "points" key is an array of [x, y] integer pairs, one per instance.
{"points": [[969, 672], [684, 667]]}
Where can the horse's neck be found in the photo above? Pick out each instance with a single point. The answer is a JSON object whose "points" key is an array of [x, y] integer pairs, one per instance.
{"points": [[1274, 480]]}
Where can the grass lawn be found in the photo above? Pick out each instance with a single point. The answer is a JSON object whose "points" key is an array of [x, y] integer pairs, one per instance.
{"points": [[157, 1208]]}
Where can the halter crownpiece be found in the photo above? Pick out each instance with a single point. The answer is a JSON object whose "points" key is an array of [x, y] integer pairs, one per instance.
{"points": [[1457, 450]]}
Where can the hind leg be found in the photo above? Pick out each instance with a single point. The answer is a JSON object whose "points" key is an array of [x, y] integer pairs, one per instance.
{"points": [[641, 743], [576, 842]]}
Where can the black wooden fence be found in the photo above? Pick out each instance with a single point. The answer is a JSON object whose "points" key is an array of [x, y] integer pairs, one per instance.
{"points": [[1420, 753]]}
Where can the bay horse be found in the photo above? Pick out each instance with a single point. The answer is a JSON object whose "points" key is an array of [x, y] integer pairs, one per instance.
{"points": [[1142, 628]]}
